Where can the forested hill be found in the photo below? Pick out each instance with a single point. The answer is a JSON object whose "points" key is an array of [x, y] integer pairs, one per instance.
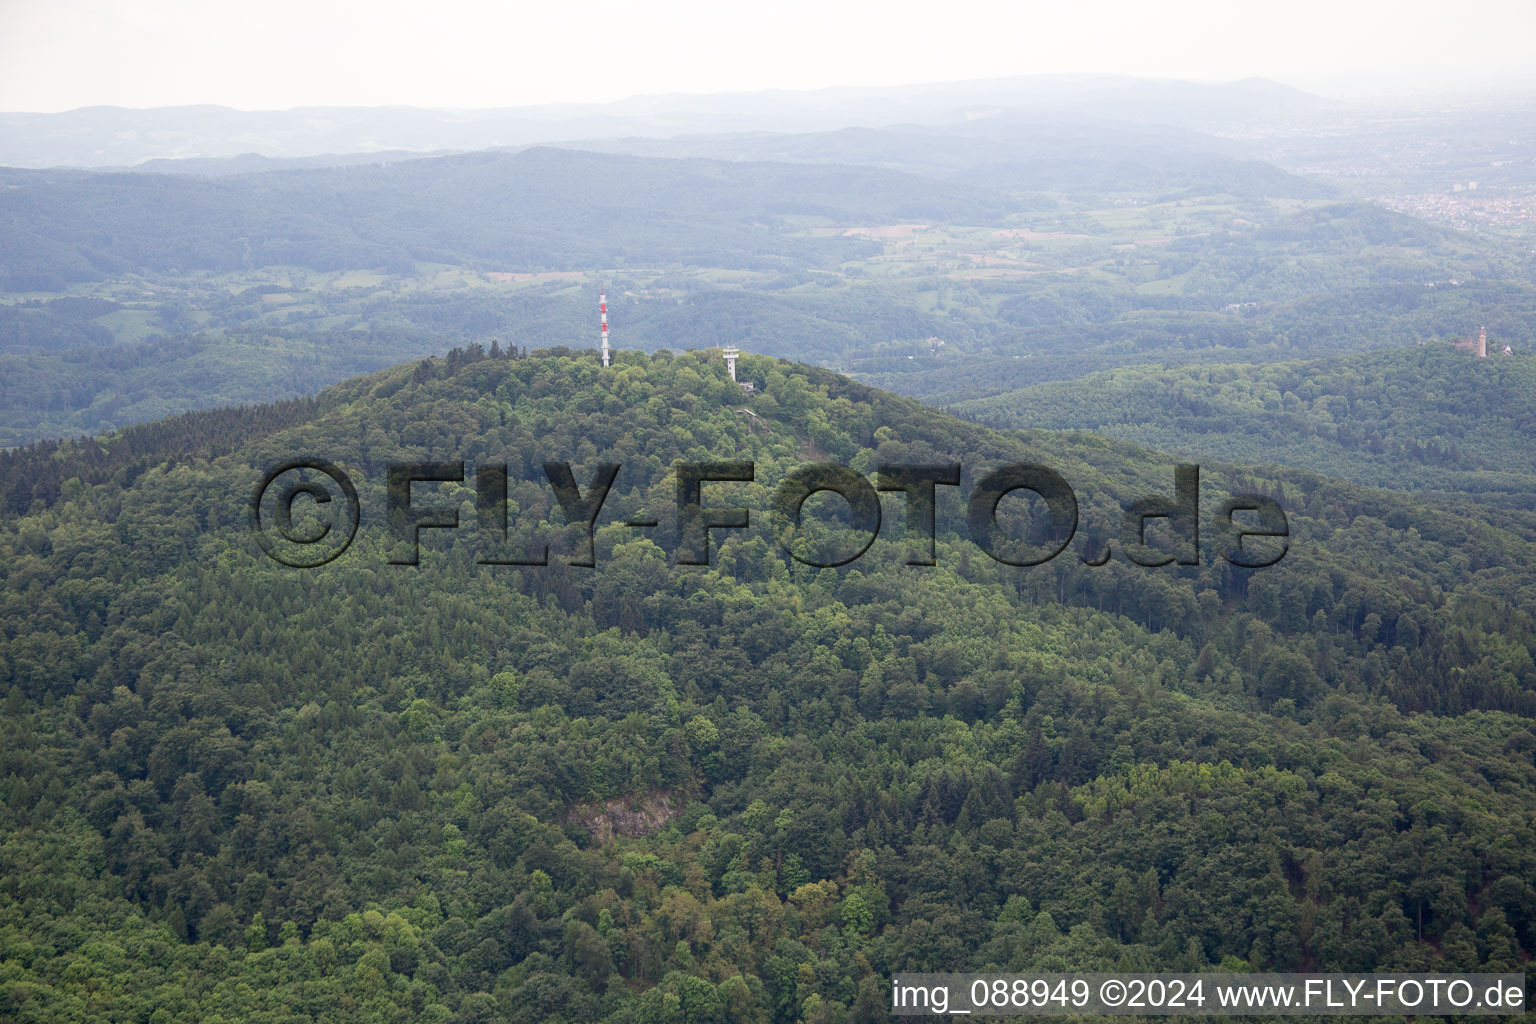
{"points": [[646, 792], [1422, 418], [1018, 152], [540, 209]]}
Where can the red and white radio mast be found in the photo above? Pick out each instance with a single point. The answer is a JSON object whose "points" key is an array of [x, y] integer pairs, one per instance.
{"points": [[602, 305]]}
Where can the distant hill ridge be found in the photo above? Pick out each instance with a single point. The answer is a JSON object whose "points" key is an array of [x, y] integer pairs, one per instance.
{"points": [[1425, 417], [541, 208], [117, 136]]}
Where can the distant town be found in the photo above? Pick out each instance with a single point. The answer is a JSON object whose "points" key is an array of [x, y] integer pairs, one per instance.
{"points": [[1466, 207]]}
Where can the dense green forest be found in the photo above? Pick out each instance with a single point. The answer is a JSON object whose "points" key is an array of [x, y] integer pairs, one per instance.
{"points": [[1424, 418], [644, 792]]}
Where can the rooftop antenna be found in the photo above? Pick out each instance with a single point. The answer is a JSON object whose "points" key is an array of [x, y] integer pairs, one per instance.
{"points": [[602, 305]]}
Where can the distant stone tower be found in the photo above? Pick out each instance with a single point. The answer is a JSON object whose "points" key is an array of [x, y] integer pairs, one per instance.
{"points": [[1478, 346]]}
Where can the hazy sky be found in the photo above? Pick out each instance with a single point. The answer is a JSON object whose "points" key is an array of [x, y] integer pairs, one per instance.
{"points": [[59, 54]]}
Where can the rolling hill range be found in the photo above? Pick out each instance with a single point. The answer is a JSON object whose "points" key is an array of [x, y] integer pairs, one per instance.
{"points": [[1424, 418], [195, 285], [747, 791], [1017, 152], [115, 136], [539, 209]]}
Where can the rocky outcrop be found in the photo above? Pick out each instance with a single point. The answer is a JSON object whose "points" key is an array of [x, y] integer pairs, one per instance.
{"points": [[627, 816]]}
